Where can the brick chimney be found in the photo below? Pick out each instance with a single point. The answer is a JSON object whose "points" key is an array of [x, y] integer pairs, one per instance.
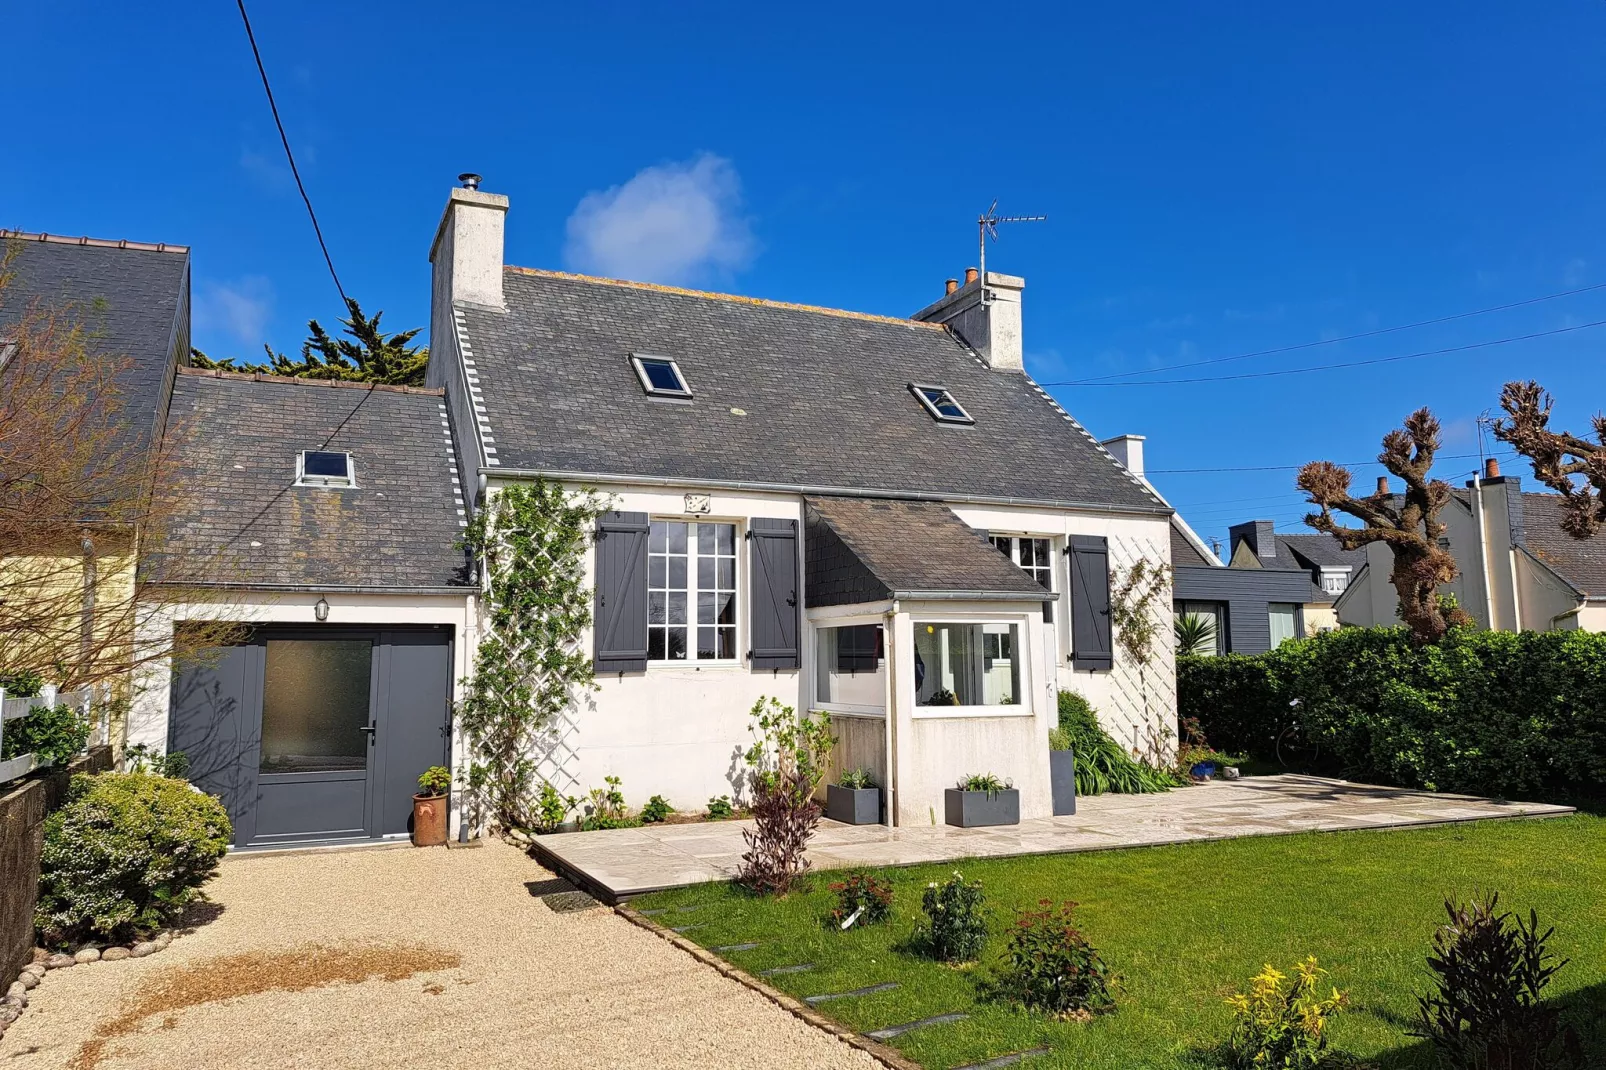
{"points": [[1382, 486], [987, 317]]}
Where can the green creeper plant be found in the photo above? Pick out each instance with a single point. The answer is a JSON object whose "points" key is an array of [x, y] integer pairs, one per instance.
{"points": [[1132, 599], [530, 540]]}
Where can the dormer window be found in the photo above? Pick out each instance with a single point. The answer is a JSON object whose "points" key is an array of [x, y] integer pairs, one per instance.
{"points": [[322, 468], [942, 405], [660, 376]]}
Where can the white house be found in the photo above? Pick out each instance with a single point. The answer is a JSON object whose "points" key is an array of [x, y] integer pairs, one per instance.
{"points": [[882, 519], [1518, 570], [813, 504]]}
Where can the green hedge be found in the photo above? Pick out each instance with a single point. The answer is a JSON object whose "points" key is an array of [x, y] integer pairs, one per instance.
{"points": [[1515, 714]]}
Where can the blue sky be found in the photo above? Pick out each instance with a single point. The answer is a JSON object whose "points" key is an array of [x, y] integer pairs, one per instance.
{"points": [[1218, 179]]}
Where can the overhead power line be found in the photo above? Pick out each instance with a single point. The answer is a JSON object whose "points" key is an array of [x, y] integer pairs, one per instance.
{"points": [[1347, 364], [1342, 338], [1297, 467], [345, 303]]}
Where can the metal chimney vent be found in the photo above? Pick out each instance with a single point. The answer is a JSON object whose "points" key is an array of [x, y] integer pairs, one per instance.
{"points": [[469, 180]]}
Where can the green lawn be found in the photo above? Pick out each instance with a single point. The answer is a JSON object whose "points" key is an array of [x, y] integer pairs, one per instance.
{"points": [[1184, 926]]}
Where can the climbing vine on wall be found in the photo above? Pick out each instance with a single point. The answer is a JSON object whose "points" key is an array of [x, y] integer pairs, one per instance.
{"points": [[530, 539], [1132, 599]]}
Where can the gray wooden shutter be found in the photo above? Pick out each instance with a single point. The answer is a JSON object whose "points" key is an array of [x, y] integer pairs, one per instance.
{"points": [[1090, 602], [774, 600], [619, 625]]}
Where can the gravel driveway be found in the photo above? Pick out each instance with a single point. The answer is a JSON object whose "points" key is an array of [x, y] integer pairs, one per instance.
{"points": [[387, 958]]}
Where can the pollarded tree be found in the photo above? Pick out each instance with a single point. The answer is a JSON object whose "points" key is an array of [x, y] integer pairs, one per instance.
{"points": [[1559, 458], [1408, 524]]}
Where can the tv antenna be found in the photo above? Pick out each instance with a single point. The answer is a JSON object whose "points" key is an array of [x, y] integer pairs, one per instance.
{"points": [[987, 226]]}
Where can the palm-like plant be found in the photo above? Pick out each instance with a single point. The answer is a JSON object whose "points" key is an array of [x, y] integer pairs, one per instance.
{"points": [[1196, 634]]}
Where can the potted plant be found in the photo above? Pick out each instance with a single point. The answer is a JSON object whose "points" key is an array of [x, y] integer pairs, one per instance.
{"points": [[1062, 771], [429, 807], [981, 800], [1196, 758], [854, 799]]}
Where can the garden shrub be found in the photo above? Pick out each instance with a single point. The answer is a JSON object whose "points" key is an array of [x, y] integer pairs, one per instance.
{"points": [[861, 899], [57, 734], [720, 807], [124, 856], [1102, 764], [656, 810], [1280, 1026], [605, 808], [1485, 1011], [955, 929], [1051, 967], [552, 808], [143, 758], [786, 763], [1514, 714]]}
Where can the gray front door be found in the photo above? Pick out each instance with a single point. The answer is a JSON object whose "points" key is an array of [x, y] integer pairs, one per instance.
{"points": [[316, 733]]}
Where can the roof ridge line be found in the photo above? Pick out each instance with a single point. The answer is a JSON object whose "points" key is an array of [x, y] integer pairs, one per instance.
{"points": [[99, 243], [760, 302], [292, 380]]}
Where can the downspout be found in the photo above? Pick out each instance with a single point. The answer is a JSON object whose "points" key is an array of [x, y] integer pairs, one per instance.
{"points": [[1483, 551], [889, 788], [1516, 597]]}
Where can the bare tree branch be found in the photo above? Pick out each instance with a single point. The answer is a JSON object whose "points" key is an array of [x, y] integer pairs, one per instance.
{"points": [[1558, 458]]}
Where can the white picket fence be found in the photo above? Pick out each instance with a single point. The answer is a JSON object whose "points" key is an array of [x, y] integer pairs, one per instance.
{"points": [[13, 710]]}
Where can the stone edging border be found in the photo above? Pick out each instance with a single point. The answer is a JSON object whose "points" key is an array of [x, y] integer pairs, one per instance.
{"points": [[15, 1001], [885, 1054]]}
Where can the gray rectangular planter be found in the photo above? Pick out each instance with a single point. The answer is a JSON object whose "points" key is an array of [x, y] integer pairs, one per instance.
{"points": [[972, 809], [854, 806], [1062, 777]]}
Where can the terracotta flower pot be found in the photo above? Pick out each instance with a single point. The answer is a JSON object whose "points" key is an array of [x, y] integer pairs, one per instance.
{"points": [[429, 820]]}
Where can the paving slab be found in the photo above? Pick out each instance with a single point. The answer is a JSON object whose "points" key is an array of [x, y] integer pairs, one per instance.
{"points": [[620, 863]]}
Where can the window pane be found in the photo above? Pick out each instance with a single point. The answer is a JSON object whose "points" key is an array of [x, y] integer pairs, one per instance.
{"points": [[967, 664], [314, 463], [1283, 616], [655, 644], [705, 573], [727, 642], [677, 643], [658, 536], [726, 538], [1038, 549], [315, 705], [727, 573], [727, 608], [677, 607], [656, 572], [705, 608], [850, 666], [677, 573], [705, 538], [656, 600], [677, 537], [1004, 545], [661, 374], [705, 643]]}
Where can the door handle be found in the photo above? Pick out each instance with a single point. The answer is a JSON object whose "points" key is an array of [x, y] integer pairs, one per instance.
{"points": [[371, 729]]}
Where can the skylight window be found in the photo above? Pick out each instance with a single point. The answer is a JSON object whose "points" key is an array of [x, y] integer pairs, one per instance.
{"points": [[660, 376], [321, 468], [942, 405]]}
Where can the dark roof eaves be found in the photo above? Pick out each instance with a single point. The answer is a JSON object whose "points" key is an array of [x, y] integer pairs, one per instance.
{"points": [[901, 494]]}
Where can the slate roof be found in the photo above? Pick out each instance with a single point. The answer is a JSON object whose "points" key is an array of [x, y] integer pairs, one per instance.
{"points": [[1581, 562], [866, 549], [823, 398], [234, 439], [1184, 554], [131, 298], [1317, 549]]}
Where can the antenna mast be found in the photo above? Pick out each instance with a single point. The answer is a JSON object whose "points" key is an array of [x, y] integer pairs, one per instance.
{"points": [[987, 226]]}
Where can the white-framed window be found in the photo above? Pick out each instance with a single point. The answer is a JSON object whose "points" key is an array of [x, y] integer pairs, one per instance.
{"points": [[1213, 614], [1284, 620], [850, 667], [1034, 555], [968, 663], [691, 591], [1334, 581], [660, 376], [940, 403], [324, 468]]}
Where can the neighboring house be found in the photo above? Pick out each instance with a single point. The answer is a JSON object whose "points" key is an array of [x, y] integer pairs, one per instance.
{"points": [[328, 516], [131, 301], [1327, 565], [1253, 604], [1518, 570], [804, 499]]}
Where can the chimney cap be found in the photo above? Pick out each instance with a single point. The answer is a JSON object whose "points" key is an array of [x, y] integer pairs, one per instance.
{"points": [[1383, 484], [950, 285], [469, 180], [971, 275], [1491, 468]]}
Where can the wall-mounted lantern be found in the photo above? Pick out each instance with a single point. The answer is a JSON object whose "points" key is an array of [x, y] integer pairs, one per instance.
{"points": [[321, 610]]}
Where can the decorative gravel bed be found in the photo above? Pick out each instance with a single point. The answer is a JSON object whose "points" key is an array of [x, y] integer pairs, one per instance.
{"points": [[17, 996]]}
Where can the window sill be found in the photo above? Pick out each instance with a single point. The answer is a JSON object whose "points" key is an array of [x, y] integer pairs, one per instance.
{"points": [[869, 713], [954, 713]]}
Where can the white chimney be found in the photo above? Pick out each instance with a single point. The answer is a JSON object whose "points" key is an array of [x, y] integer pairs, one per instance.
{"points": [[987, 318], [1128, 449], [467, 251]]}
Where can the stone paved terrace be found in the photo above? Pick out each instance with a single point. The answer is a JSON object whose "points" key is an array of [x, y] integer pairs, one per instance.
{"points": [[620, 863]]}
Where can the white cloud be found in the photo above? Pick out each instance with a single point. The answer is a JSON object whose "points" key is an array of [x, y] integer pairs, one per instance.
{"points": [[239, 310], [672, 223]]}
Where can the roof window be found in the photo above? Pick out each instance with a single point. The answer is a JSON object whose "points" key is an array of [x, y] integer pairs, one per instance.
{"points": [[321, 468], [660, 376], [942, 405]]}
